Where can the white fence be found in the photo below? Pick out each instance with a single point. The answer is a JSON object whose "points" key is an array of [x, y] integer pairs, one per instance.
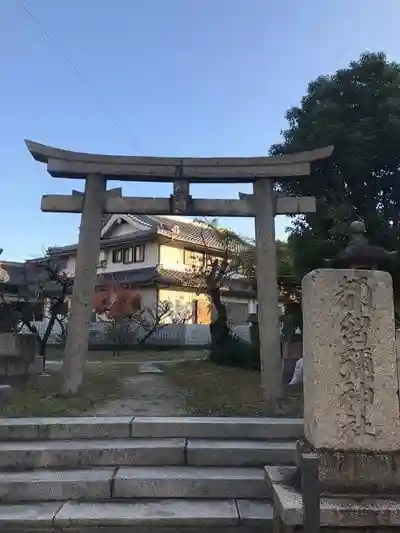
{"points": [[169, 335]]}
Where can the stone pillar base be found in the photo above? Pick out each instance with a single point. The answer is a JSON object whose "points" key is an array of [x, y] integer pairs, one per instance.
{"points": [[351, 472], [350, 513]]}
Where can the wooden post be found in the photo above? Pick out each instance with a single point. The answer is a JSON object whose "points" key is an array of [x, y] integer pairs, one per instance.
{"points": [[267, 289], [85, 279]]}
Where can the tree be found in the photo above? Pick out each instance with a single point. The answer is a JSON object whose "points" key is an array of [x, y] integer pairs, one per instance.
{"points": [[45, 294], [356, 109], [127, 320], [284, 256], [117, 305], [230, 260]]}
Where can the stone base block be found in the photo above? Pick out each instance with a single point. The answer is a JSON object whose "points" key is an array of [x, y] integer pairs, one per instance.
{"points": [[344, 513], [17, 355], [348, 471], [37, 366], [5, 394], [41, 381]]}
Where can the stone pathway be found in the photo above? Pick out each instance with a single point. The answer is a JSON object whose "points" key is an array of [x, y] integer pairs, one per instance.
{"points": [[150, 393], [55, 365]]}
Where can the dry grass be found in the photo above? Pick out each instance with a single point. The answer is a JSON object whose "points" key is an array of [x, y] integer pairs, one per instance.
{"points": [[212, 390], [102, 383]]}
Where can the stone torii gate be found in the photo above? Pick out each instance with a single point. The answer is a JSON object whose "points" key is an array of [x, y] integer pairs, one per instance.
{"points": [[263, 204]]}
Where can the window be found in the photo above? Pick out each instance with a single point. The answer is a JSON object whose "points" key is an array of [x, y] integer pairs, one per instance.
{"points": [[191, 258], [139, 253], [117, 256], [127, 255]]}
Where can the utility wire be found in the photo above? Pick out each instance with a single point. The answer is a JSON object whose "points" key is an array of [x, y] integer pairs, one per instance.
{"points": [[53, 43]]}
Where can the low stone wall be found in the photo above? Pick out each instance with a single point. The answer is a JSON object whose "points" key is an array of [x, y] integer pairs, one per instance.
{"points": [[17, 354]]}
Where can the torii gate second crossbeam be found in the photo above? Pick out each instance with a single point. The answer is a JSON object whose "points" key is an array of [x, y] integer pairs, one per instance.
{"points": [[263, 204]]}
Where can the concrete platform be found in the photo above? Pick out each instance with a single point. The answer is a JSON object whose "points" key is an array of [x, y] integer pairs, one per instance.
{"points": [[203, 452], [190, 482], [120, 427], [72, 454]]}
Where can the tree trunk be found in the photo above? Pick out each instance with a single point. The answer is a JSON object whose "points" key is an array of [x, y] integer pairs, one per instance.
{"points": [[43, 342], [219, 328]]}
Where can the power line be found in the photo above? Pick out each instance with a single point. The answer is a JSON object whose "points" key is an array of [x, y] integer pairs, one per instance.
{"points": [[100, 100]]}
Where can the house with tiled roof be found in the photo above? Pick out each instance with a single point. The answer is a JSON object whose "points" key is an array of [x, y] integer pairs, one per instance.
{"points": [[153, 256]]}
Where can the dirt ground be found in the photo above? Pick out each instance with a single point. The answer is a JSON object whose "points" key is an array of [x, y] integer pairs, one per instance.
{"points": [[145, 394]]}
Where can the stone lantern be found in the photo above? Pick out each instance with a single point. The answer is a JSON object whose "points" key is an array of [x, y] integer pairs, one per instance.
{"points": [[359, 254]]}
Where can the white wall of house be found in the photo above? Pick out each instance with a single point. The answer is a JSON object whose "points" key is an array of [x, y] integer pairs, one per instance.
{"points": [[150, 259], [183, 302], [172, 257]]}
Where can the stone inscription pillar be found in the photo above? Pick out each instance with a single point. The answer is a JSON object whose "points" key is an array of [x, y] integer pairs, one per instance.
{"points": [[349, 348], [267, 289], [85, 279]]}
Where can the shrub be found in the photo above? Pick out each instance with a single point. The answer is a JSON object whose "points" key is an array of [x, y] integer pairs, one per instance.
{"points": [[231, 350]]}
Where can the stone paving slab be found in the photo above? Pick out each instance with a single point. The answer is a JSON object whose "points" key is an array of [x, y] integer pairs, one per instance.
{"points": [[149, 368], [78, 453], [218, 427], [190, 482], [149, 513], [203, 452], [82, 427], [45, 485]]}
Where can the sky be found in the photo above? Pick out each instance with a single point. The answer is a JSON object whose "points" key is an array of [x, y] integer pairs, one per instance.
{"points": [[161, 78]]}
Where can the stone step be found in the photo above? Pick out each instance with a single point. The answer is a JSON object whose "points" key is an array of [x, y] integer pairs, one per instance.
{"points": [[133, 482], [164, 516], [120, 427], [190, 482], [24, 455], [218, 427], [47, 485], [20, 456], [203, 452]]}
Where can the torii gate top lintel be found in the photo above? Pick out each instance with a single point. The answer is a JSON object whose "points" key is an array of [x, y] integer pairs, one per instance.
{"points": [[70, 164]]}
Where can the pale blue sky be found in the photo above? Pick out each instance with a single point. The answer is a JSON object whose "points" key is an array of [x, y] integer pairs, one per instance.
{"points": [[170, 77]]}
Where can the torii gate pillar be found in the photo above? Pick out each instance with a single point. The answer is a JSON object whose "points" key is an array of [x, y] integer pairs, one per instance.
{"points": [[267, 288], [87, 257]]}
